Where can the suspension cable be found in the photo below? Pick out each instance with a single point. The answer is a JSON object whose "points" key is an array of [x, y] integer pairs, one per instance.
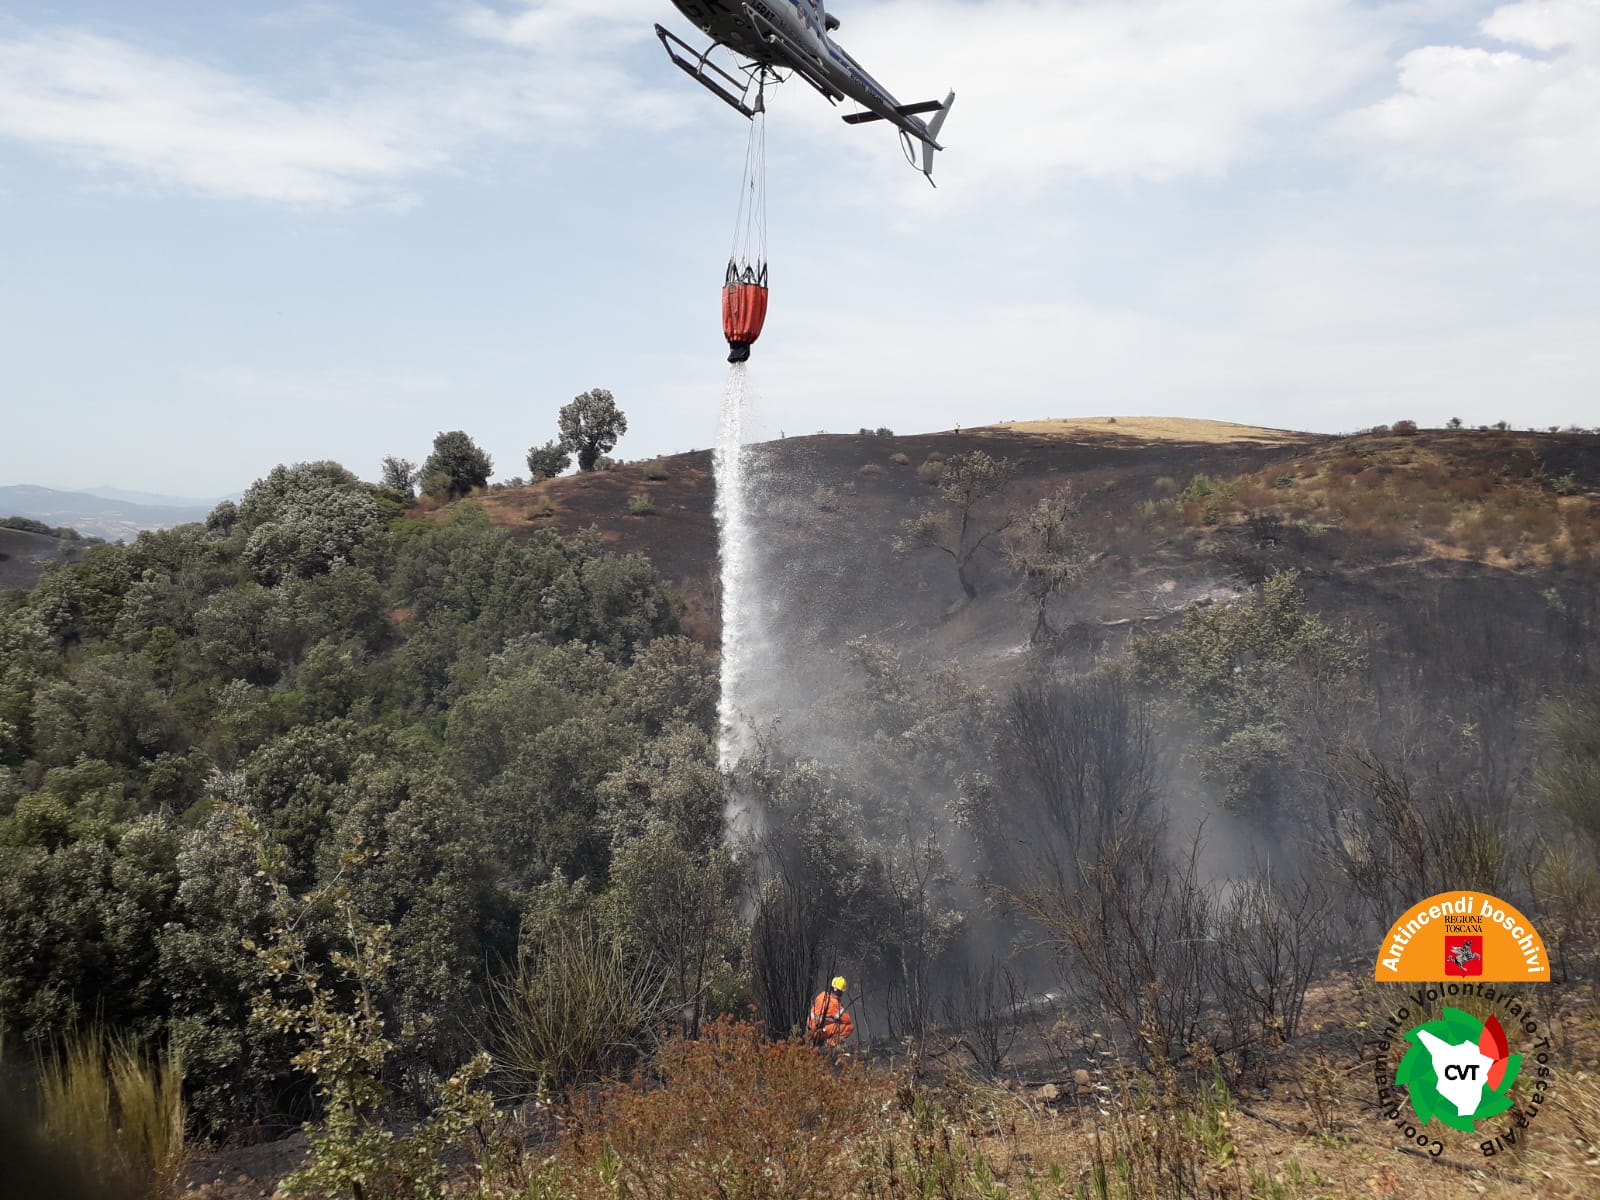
{"points": [[749, 250]]}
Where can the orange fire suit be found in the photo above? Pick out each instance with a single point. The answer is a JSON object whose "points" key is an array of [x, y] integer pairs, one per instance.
{"points": [[829, 1024]]}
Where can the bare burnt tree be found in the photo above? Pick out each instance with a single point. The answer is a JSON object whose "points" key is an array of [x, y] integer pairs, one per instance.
{"points": [[785, 953], [1134, 936], [985, 1013], [921, 928], [1077, 830], [1399, 833], [1081, 770], [1270, 941]]}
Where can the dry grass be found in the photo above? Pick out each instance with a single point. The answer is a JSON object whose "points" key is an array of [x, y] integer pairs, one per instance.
{"points": [[1407, 495], [738, 1117], [119, 1113], [1155, 429], [1565, 1161]]}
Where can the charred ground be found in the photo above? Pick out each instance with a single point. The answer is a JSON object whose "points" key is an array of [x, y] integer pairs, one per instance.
{"points": [[1381, 526], [24, 555]]}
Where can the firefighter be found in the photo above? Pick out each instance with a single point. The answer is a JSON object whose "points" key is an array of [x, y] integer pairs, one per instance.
{"points": [[829, 1025]]}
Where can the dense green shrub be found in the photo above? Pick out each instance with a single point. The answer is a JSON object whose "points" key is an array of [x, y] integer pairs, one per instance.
{"points": [[421, 714]]}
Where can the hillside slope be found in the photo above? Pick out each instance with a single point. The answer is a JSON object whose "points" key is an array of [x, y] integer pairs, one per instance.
{"points": [[1176, 511], [24, 556]]}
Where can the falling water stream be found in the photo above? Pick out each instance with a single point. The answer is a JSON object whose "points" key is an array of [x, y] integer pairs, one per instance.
{"points": [[734, 534]]}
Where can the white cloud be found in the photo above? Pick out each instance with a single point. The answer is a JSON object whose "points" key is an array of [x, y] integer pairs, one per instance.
{"points": [[1547, 24], [1107, 89], [1154, 90], [191, 126], [568, 26], [307, 15], [1525, 118], [1319, 318]]}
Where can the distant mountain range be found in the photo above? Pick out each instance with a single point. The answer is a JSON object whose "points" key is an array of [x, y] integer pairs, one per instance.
{"points": [[151, 499], [111, 513]]}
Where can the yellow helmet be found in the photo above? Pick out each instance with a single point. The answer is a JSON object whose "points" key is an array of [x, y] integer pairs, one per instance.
{"points": [[838, 983]]}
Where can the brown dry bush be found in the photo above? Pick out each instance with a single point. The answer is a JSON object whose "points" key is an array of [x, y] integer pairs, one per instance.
{"points": [[1253, 495], [1469, 487], [1583, 532], [731, 1116], [1523, 512], [1567, 1164]]}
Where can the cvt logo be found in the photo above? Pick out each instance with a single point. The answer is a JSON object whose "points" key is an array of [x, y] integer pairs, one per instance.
{"points": [[1459, 1070]]}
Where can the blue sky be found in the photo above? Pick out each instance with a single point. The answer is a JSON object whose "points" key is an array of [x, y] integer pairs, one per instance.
{"points": [[234, 235]]}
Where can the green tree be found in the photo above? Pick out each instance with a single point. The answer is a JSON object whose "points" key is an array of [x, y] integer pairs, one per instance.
{"points": [[590, 427], [456, 467], [399, 475], [335, 1006], [548, 461], [678, 909], [1047, 552], [671, 782], [967, 523], [82, 901], [303, 520], [672, 679], [413, 852], [237, 1075], [298, 782], [1245, 671]]}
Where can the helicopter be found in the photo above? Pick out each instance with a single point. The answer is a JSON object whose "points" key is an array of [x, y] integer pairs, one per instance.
{"points": [[773, 36]]}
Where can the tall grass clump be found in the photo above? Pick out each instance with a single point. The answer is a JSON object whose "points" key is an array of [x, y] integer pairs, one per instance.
{"points": [[575, 1006], [118, 1111]]}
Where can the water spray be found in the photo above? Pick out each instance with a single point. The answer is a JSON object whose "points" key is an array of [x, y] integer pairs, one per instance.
{"points": [[734, 538]]}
